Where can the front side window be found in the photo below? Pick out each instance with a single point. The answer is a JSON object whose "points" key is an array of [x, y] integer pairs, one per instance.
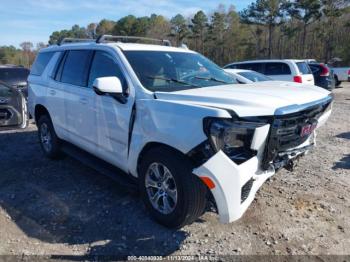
{"points": [[76, 67], [277, 69], [173, 71], [103, 65]]}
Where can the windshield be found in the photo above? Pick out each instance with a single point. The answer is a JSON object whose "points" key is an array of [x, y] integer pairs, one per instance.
{"points": [[254, 76], [174, 71]]}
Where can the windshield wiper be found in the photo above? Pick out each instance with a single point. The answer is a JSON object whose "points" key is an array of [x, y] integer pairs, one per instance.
{"points": [[172, 80], [211, 79]]}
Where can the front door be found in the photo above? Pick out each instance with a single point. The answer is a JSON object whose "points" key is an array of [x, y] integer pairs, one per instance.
{"points": [[112, 116]]}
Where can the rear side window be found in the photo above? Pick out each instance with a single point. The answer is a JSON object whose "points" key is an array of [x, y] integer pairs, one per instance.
{"points": [[304, 69], [277, 69], [251, 66], [76, 67], [102, 65], [40, 63]]}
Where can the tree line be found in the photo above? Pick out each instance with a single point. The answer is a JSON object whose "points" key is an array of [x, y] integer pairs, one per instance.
{"points": [[303, 29]]}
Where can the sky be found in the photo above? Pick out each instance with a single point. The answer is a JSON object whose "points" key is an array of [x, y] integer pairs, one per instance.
{"points": [[35, 20]]}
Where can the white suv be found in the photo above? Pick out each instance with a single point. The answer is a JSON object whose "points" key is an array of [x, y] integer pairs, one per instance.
{"points": [[284, 70], [173, 120]]}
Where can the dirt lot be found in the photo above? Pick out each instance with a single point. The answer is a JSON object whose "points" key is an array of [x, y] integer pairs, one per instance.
{"points": [[62, 207]]}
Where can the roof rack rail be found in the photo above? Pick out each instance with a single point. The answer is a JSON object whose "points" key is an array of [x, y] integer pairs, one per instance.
{"points": [[122, 38], [69, 40]]}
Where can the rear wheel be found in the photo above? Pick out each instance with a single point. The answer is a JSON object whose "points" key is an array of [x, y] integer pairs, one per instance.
{"points": [[48, 139], [172, 194]]}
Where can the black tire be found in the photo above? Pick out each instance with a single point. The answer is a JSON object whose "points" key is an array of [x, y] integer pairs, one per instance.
{"points": [[53, 151], [337, 82], [191, 191]]}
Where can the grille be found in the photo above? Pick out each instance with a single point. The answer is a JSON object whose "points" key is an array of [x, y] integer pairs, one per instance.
{"points": [[246, 190], [285, 132]]}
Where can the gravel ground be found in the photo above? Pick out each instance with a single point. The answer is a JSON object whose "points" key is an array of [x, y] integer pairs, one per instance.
{"points": [[64, 208]]}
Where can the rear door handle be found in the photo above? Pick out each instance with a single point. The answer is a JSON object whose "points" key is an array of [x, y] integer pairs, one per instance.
{"points": [[52, 92], [83, 101]]}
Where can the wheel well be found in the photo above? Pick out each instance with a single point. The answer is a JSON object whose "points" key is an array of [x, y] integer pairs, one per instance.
{"points": [[39, 111], [152, 145]]}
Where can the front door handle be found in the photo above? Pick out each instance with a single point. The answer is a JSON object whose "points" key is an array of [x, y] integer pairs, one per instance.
{"points": [[52, 92]]}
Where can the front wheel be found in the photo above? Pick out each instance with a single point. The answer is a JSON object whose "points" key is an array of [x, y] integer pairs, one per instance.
{"points": [[172, 194]]}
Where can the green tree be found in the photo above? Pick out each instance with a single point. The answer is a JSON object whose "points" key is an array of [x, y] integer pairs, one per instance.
{"points": [[105, 27], [159, 27], [307, 12], [216, 35], [179, 28], [199, 27], [268, 13]]}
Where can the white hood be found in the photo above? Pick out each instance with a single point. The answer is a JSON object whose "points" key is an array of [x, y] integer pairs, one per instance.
{"points": [[255, 99]]}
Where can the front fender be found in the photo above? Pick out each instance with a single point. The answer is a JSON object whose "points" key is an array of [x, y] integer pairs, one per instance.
{"points": [[178, 125]]}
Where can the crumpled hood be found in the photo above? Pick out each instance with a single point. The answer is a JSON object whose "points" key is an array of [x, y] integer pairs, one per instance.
{"points": [[255, 99]]}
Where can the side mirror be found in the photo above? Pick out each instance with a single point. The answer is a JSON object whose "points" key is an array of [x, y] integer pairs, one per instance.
{"points": [[109, 85]]}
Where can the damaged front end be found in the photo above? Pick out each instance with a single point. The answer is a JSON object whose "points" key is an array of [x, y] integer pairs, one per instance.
{"points": [[241, 153]]}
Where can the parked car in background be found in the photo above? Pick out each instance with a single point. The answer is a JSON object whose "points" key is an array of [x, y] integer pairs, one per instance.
{"points": [[323, 75], [15, 76], [247, 76], [341, 74], [13, 107], [285, 70]]}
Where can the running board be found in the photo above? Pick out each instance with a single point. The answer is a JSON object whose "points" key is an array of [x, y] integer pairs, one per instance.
{"points": [[126, 181]]}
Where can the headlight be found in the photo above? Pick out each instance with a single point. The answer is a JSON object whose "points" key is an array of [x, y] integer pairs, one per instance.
{"points": [[232, 137]]}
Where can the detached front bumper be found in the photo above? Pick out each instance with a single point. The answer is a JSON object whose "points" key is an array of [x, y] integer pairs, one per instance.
{"points": [[234, 186]]}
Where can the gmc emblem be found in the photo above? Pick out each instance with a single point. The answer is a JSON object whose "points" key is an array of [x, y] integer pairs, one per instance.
{"points": [[307, 129]]}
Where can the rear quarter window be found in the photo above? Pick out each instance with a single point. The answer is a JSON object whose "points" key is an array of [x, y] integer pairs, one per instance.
{"points": [[277, 69], [40, 63], [303, 67]]}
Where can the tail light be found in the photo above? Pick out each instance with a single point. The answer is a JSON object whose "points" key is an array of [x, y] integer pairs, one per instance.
{"points": [[324, 70], [298, 79], [349, 73]]}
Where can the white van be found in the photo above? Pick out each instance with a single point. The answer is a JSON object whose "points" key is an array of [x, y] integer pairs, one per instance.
{"points": [[282, 69]]}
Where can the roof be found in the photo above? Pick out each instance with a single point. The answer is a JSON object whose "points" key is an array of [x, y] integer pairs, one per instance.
{"points": [[122, 46], [268, 61]]}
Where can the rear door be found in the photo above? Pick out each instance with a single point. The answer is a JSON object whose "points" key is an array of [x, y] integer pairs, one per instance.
{"points": [[305, 72], [278, 71], [13, 111], [78, 99]]}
